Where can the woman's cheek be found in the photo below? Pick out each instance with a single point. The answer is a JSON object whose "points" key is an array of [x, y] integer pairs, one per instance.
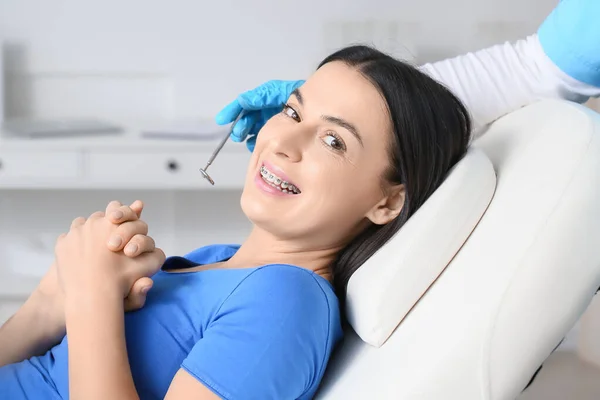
{"points": [[271, 126]]}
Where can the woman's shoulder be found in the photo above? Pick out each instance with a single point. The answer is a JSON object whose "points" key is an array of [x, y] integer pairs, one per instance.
{"points": [[286, 293], [295, 300], [289, 284]]}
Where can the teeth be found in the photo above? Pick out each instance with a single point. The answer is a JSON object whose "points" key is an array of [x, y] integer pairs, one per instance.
{"points": [[277, 182]]}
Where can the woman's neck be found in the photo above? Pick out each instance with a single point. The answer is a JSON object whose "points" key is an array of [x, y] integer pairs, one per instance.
{"points": [[261, 248]]}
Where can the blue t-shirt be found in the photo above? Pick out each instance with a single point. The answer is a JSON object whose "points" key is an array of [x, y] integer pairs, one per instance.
{"points": [[255, 333]]}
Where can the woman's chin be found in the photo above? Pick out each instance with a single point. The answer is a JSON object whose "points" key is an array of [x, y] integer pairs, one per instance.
{"points": [[264, 215], [256, 210]]}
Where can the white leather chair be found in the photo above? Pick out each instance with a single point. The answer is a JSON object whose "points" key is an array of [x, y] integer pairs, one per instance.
{"points": [[483, 282]]}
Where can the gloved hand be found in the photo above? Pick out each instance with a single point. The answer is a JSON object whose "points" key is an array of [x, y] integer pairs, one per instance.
{"points": [[260, 104], [570, 37]]}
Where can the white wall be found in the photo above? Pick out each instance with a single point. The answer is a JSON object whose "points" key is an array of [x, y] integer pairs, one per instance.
{"points": [[188, 58]]}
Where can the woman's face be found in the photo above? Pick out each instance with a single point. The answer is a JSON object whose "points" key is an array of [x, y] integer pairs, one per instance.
{"points": [[324, 157]]}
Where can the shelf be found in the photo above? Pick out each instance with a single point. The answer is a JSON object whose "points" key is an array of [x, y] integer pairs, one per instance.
{"points": [[119, 162]]}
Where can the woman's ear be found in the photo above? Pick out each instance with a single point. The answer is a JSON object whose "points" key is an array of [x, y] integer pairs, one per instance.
{"points": [[389, 207]]}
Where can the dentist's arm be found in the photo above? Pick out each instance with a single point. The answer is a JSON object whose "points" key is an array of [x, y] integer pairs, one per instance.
{"points": [[498, 80], [561, 61]]}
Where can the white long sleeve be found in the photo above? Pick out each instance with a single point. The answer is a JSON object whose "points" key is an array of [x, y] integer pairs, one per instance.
{"points": [[498, 80]]}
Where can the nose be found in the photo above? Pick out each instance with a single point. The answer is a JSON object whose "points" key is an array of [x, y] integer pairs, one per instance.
{"points": [[290, 142]]}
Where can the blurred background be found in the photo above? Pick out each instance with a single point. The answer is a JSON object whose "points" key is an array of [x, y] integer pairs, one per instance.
{"points": [[116, 99], [188, 58]]}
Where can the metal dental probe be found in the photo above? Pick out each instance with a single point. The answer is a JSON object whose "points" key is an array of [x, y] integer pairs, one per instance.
{"points": [[218, 149]]}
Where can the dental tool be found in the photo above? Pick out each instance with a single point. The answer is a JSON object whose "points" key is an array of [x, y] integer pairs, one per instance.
{"points": [[218, 149]]}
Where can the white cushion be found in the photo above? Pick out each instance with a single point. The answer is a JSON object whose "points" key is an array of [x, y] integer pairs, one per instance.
{"points": [[390, 283]]}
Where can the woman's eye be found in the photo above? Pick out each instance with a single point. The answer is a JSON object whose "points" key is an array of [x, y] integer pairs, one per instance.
{"points": [[290, 112], [334, 142]]}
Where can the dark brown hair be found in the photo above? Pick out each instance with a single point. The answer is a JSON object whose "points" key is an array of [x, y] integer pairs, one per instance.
{"points": [[431, 133]]}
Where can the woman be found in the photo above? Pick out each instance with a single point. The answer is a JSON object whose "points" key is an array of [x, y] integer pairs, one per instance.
{"points": [[355, 151]]}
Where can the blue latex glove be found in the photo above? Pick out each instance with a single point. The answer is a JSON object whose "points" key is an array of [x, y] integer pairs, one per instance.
{"points": [[570, 37], [260, 104]]}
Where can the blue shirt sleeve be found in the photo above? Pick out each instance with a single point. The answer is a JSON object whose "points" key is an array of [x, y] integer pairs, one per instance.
{"points": [[269, 340]]}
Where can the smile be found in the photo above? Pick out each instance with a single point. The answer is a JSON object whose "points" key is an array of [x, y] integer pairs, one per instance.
{"points": [[276, 182]]}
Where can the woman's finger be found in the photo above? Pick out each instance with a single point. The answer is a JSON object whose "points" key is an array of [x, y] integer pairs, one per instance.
{"points": [[113, 205], [125, 232], [122, 214], [137, 206], [136, 298], [77, 222], [149, 263], [139, 244], [59, 239], [97, 215]]}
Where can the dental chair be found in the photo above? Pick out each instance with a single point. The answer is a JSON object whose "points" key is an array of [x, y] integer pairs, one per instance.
{"points": [[484, 281]]}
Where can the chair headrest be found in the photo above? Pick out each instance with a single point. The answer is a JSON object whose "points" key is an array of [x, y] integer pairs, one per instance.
{"points": [[385, 288]]}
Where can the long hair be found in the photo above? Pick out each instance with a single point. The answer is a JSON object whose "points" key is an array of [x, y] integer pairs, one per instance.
{"points": [[431, 132]]}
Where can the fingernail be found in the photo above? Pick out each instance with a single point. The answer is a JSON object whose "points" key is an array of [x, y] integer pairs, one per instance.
{"points": [[114, 241], [117, 214], [131, 248], [145, 289]]}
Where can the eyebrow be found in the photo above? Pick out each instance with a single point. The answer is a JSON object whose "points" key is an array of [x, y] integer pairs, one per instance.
{"points": [[296, 92], [334, 120], [344, 124]]}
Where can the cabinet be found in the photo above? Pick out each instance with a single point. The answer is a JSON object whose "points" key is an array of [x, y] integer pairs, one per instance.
{"points": [[118, 162]]}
